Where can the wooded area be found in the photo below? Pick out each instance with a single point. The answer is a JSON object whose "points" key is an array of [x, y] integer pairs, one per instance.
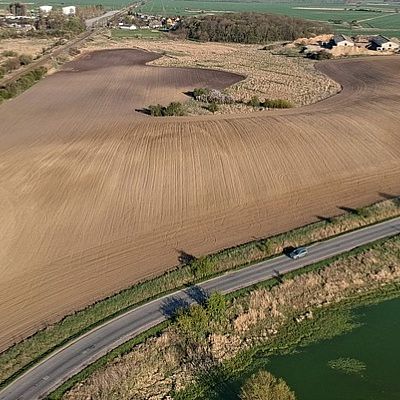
{"points": [[248, 28]]}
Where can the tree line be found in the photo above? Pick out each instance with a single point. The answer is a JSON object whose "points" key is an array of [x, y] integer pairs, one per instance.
{"points": [[248, 28]]}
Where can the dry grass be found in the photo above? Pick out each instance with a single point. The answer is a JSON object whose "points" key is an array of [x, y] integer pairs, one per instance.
{"points": [[267, 75], [30, 46], [154, 368]]}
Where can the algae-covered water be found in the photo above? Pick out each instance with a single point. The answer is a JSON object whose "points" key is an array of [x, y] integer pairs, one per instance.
{"points": [[376, 347], [363, 364]]}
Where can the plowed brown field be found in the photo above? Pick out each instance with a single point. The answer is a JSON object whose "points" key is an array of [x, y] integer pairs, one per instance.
{"points": [[94, 197]]}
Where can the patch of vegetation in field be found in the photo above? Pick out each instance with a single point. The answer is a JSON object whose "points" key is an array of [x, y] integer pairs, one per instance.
{"points": [[348, 365], [26, 353], [172, 109]]}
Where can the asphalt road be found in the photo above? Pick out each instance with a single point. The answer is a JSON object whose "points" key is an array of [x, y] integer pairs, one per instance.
{"points": [[40, 380]]}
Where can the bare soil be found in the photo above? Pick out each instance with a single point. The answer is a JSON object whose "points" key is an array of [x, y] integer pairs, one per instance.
{"points": [[95, 196]]}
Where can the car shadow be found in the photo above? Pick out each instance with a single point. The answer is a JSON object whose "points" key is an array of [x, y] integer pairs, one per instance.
{"points": [[287, 250]]}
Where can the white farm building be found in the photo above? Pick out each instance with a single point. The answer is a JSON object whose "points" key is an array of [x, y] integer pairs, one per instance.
{"points": [[382, 43], [342, 40], [45, 9], [70, 10]]}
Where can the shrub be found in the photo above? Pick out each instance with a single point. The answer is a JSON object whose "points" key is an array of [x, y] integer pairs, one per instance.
{"points": [[202, 267], [12, 63], [216, 96], [2, 72], [9, 53], [200, 92], [38, 73], [4, 94], [320, 55], [213, 107], [265, 386], [254, 102], [156, 111], [173, 109], [25, 59], [278, 103]]}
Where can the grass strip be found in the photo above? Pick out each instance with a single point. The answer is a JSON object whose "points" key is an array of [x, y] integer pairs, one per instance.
{"points": [[18, 358]]}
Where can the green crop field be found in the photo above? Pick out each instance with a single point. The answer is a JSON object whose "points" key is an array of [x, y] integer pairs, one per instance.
{"points": [[381, 19], [375, 18]]}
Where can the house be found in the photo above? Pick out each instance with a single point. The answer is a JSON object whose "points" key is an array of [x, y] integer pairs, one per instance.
{"points": [[342, 40], [382, 43]]}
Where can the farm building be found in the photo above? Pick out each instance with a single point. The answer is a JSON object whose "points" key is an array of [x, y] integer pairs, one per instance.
{"points": [[155, 24], [382, 43], [70, 10], [128, 27], [45, 9], [342, 40]]}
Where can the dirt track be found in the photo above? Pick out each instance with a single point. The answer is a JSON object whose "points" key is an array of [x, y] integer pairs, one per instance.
{"points": [[94, 196]]}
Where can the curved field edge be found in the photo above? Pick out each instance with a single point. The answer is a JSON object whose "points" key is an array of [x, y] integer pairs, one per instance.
{"points": [[20, 357], [328, 321]]}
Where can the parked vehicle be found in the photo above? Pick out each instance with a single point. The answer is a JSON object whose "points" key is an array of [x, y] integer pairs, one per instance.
{"points": [[299, 252]]}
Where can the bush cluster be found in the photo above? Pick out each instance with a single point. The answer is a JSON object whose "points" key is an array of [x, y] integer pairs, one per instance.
{"points": [[9, 53], [200, 320], [13, 61], [269, 103], [320, 55], [264, 386], [173, 109], [26, 81], [212, 96]]}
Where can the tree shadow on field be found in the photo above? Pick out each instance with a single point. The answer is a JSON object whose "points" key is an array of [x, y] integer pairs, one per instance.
{"points": [[328, 220], [143, 111], [189, 93], [185, 258], [388, 196], [350, 210]]}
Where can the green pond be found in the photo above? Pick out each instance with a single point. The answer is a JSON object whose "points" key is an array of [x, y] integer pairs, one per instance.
{"points": [[373, 347]]}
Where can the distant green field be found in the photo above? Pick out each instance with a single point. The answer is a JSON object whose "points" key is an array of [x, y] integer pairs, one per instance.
{"points": [[372, 22], [382, 18]]}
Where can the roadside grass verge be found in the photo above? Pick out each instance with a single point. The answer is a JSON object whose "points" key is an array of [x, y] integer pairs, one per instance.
{"points": [[327, 322], [21, 84], [23, 355], [101, 362]]}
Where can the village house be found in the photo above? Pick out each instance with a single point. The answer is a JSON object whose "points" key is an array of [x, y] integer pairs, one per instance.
{"points": [[382, 43]]}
